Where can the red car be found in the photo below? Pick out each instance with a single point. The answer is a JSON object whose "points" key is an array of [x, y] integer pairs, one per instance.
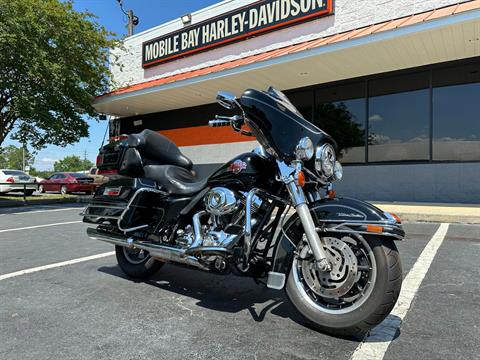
{"points": [[67, 182]]}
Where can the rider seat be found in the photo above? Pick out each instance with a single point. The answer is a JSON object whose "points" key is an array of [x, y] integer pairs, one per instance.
{"points": [[174, 179]]}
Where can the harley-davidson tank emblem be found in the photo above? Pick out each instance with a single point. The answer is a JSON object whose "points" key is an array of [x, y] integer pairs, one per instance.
{"points": [[237, 166]]}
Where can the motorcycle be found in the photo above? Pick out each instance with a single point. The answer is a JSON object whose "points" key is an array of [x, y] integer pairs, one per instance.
{"points": [[270, 214]]}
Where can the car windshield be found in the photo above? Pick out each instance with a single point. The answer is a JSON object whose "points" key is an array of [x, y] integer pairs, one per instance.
{"points": [[280, 96], [77, 175], [14, 172]]}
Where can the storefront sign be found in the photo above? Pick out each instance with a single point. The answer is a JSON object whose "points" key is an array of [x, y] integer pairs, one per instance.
{"points": [[238, 24]]}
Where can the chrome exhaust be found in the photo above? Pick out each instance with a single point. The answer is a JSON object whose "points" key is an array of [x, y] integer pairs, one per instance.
{"points": [[159, 252]]}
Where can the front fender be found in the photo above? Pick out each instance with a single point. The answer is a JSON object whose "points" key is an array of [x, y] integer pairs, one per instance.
{"points": [[338, 215]]}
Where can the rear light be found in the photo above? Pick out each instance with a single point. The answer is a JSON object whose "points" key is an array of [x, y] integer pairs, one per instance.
{"points": [[107, 172], [99, 161], [112, 191], [10, 180]]}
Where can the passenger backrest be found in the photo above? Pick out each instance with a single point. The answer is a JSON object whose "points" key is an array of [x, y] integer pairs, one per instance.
{"points": [[156, 148]]}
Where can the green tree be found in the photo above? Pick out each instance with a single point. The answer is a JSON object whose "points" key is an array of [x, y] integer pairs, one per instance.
{"points": [[72, 163], [11, 157], [53, 62]]}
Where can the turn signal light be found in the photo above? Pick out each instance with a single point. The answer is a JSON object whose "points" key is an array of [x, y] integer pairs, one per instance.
{"points": [[374, 228], [331, 194], [301, 179], [396, 217]]}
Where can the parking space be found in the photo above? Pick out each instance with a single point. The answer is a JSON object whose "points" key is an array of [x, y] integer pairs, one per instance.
{"points": [[89, 310]]}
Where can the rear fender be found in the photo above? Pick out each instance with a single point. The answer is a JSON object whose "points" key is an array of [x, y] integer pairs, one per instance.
{"points": [[335, 216]]}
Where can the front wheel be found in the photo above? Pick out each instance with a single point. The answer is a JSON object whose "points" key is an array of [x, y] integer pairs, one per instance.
{"points": [[136, 263], [357, 294]]}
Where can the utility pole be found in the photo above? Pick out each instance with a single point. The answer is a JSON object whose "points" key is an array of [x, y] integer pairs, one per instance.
{"points": [[132, 19]]}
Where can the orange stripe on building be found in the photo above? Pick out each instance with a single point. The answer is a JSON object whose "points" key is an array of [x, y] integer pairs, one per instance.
{"points": [[204, 135]]}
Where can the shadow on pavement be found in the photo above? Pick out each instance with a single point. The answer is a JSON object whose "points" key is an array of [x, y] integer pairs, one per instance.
{"points": [[224, 293]]}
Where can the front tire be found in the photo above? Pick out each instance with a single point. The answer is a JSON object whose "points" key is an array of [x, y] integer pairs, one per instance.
{"points": [[63, 190], [357, 318], [135, 263]]}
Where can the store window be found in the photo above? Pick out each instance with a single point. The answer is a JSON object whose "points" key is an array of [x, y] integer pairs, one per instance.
{"points": [[398, 118], [456, 115], [340, 111], [303, 101]]}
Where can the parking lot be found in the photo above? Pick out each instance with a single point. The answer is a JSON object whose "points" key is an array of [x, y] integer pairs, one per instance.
{"points": [[63, 297]]}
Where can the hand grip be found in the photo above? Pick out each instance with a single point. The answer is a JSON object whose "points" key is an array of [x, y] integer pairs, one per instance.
{"points": [[216, 123]]}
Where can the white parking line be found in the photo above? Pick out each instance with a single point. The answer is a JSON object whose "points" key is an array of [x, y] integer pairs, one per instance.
{"points": [[55, 265], [41, 211], [375, 345], [39, 226]]}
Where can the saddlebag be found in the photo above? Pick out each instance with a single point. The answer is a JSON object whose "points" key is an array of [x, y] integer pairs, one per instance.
{"points": [[126, 203]]}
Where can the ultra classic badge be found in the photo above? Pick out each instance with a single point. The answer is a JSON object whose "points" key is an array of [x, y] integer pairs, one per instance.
{"points": [[237, 166]]}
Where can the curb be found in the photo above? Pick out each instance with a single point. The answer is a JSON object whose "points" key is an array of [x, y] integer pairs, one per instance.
{"points": [[455, 219]]}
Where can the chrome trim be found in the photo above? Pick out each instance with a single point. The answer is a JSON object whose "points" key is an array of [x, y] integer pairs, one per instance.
{"points": [[300, 202], [197, 229], [160, 252], [337, 228], [128, 208]]}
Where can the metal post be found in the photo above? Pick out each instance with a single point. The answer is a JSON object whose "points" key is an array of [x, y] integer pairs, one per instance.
{"points": [[130, 22]]}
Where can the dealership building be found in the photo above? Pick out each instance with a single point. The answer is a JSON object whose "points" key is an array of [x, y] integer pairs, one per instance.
{"points": [[395, 82]]}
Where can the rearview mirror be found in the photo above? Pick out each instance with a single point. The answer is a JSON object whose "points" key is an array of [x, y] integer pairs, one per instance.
{"points": [[227, 100]]}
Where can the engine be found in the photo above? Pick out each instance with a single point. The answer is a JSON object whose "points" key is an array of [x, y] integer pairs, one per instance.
{"points": [[222, 223]]}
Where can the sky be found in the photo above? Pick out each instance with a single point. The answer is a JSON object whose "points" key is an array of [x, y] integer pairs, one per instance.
{"points": [[150, 13]]}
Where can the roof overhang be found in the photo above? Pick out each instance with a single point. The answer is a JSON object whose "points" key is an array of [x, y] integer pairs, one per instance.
{"points": [[447, 38]]}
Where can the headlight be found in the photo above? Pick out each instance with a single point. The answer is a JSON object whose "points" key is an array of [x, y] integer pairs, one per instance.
{"points": [[338, 172], [304, 150], [325, 161]]}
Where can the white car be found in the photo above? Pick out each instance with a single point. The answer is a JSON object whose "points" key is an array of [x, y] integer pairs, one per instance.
{"points": [[16, 180]]}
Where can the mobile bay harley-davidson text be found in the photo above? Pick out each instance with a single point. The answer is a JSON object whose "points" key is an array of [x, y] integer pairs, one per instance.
{"points": [[268, 214]]}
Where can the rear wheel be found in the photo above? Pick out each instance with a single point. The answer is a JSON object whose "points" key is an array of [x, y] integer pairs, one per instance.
{"points": [[41, 189], [136, 263], [357, 294]]}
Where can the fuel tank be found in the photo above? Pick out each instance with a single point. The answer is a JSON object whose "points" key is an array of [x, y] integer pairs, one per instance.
{"points": [[245, 172]]}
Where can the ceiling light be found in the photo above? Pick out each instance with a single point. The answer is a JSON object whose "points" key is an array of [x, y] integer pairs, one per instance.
{"points": [[186, 19]]}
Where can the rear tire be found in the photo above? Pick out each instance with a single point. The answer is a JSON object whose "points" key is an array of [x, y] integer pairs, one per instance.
{"points": [[374, 309], [134, 266]]}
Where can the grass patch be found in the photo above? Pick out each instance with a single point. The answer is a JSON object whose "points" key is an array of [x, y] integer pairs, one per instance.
{"points": [[34, 198]]}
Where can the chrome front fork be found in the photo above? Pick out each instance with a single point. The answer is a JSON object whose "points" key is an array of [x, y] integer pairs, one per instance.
{"points": [[289, 174]]}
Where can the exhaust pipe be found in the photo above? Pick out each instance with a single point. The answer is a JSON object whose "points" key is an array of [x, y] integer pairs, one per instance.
{"points": [[159, 252]]}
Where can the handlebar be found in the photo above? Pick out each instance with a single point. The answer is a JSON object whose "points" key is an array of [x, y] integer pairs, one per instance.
{"points": [[225, 121]]}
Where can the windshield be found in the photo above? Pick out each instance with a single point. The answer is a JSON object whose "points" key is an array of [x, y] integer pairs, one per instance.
{"points": [[277, 94]]}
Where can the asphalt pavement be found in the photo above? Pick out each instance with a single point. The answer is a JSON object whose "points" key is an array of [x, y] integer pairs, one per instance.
{"points": [[87, 309]]}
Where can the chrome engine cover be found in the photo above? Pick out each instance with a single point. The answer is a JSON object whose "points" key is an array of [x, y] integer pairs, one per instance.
{"points": [[220, 201]]}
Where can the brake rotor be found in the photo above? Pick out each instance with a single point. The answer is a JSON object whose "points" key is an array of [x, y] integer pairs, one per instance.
{"points": [[340, 279]]}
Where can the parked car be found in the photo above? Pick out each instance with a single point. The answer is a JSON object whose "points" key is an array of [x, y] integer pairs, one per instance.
{"points": [[15, 180], [68, 182], [98, 179]]}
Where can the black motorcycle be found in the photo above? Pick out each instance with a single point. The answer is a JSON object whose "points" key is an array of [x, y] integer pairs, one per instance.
{"points": [[270, 214]]}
